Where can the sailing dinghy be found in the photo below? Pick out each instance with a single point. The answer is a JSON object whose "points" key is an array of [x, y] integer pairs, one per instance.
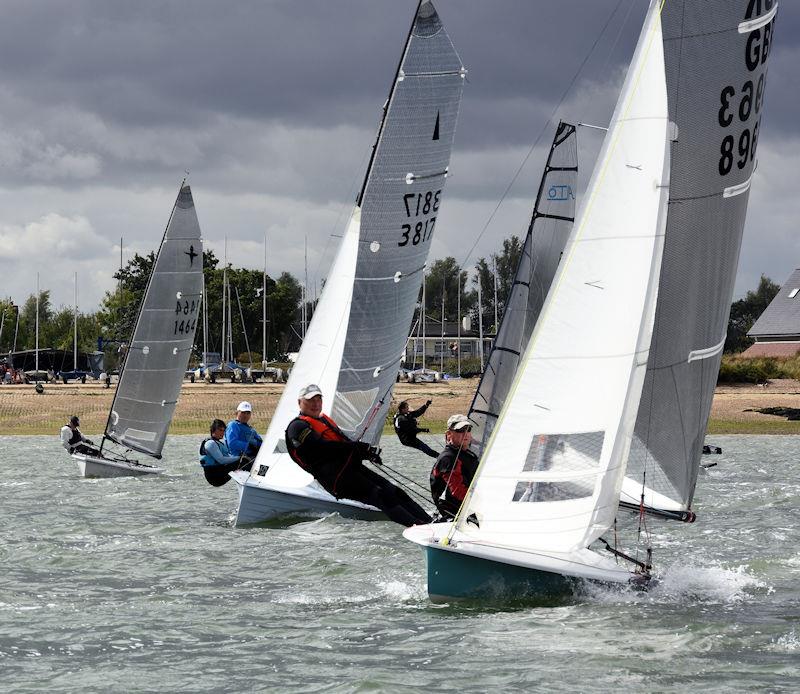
{"points": [[356, 338], [163, 336], [551, 222], [663, 217]]}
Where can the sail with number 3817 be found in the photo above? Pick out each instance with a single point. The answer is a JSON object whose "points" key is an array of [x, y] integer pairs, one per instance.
{"points": [[355, 341], [623, 359]]}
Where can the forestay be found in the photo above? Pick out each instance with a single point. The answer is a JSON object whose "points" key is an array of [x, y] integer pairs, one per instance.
{"points": [[551, 475], [162, 338], [716, 56], [551, 222]]}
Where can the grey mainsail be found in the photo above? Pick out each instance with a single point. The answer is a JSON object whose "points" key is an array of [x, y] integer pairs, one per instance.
{"points": [[716, 55], [162, 338], [551, 221], [400, 203]]}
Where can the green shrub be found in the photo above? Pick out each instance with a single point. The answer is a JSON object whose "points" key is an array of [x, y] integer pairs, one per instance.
{"points": [[734, 369]]}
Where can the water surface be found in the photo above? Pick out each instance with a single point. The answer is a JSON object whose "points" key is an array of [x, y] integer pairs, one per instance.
{"points": [[143, 585]]}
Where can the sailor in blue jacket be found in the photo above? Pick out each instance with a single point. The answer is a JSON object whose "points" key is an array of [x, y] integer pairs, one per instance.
{"points": [[241, 438]]}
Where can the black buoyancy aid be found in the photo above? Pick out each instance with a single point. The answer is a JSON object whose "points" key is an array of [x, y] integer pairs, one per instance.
{"points": [[76, 438], [203, 448], [325, 428]]}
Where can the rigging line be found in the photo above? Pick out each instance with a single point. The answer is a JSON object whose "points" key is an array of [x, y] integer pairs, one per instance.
{"points": [[395, 476], [542, 131]]}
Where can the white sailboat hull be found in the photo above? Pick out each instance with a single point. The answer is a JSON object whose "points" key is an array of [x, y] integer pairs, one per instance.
{"points": [[93, 467], [465, 569], [261, 501]]}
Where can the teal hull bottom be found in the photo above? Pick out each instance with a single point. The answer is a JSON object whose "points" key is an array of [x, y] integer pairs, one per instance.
{"points": [[456, 576]]}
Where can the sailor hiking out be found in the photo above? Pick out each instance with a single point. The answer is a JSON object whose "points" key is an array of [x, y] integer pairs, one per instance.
{"points": [[216, 458], [317, 445], [406, 428], [74, 441]]}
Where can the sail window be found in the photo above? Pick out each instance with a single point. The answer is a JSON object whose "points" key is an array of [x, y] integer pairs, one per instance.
{"points": [[793, 293], [560, 467], [350, 409]]}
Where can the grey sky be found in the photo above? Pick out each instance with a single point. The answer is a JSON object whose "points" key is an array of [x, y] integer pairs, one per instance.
{"points": [[273, 107]]}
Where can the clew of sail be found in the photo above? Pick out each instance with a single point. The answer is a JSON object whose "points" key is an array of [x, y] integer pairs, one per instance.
{"points": [[163, 337], [551, 222], [717, 108], [551, 474]]}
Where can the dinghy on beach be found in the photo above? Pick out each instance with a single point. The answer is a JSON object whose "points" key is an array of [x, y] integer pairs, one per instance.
{"points": [[355, 341], [620, 370], [163, 336]]}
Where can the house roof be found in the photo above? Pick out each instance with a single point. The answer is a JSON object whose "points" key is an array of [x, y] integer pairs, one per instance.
{"points": [[782, 316], [772, 349]]}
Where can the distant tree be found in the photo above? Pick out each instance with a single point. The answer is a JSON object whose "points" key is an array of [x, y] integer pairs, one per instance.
{"points": [[27, 321], [745, 312], [442, 280]]}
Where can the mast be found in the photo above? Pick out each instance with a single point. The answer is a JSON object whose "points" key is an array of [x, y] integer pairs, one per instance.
{"points": [[480, 319], [441, 358], [458, 327], [75, 329], [264, 307], [204, 299], [494, 275], [224, 301], [37, 327], [424, 331]]}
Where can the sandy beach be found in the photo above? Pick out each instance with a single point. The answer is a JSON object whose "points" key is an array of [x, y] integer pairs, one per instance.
{"points": [[23, 411]]}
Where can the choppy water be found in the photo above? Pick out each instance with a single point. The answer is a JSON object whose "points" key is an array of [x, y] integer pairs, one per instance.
{"points": [[140, 585]]}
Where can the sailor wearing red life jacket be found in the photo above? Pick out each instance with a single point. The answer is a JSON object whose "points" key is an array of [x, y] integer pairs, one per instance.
{"points": [[455, 467], [320, 447]]}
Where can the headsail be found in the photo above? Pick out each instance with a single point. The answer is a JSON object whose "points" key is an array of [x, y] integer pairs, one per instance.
{"points": [[162, 338], [551, 222], [359, 330], [551, 474], [716, 106]]}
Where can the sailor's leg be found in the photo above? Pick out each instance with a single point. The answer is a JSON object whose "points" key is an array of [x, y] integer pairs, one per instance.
{"points": [[425, 448]]}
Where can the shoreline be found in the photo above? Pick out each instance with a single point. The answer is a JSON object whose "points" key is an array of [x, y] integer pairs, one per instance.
{"points": [[24, 412]]}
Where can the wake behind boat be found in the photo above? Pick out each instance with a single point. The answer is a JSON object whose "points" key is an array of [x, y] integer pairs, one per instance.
{"points": [[163, 336], [354, 343]]}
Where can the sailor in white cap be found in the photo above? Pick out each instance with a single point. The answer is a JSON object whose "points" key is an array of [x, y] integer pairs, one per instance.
{"points": [[320, 447], [241, 438], [455, 467]]}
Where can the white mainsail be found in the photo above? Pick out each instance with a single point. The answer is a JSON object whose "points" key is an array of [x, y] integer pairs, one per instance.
{"points": [[551, 474]]}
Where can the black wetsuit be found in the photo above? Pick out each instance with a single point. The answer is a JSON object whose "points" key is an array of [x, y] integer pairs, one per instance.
{"points": [[335, 462], [405, 426]]}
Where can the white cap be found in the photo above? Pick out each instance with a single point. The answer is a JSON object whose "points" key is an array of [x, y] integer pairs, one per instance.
{"points": [[457, 422], [244, 406], [309, 392]]}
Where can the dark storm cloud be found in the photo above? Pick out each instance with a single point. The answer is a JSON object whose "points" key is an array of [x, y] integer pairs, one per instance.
{"points": [[273, 106]]}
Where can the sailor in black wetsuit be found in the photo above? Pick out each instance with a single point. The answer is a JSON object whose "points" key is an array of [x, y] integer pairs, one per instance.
{"points": [[405, 426], [317, 445]]}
